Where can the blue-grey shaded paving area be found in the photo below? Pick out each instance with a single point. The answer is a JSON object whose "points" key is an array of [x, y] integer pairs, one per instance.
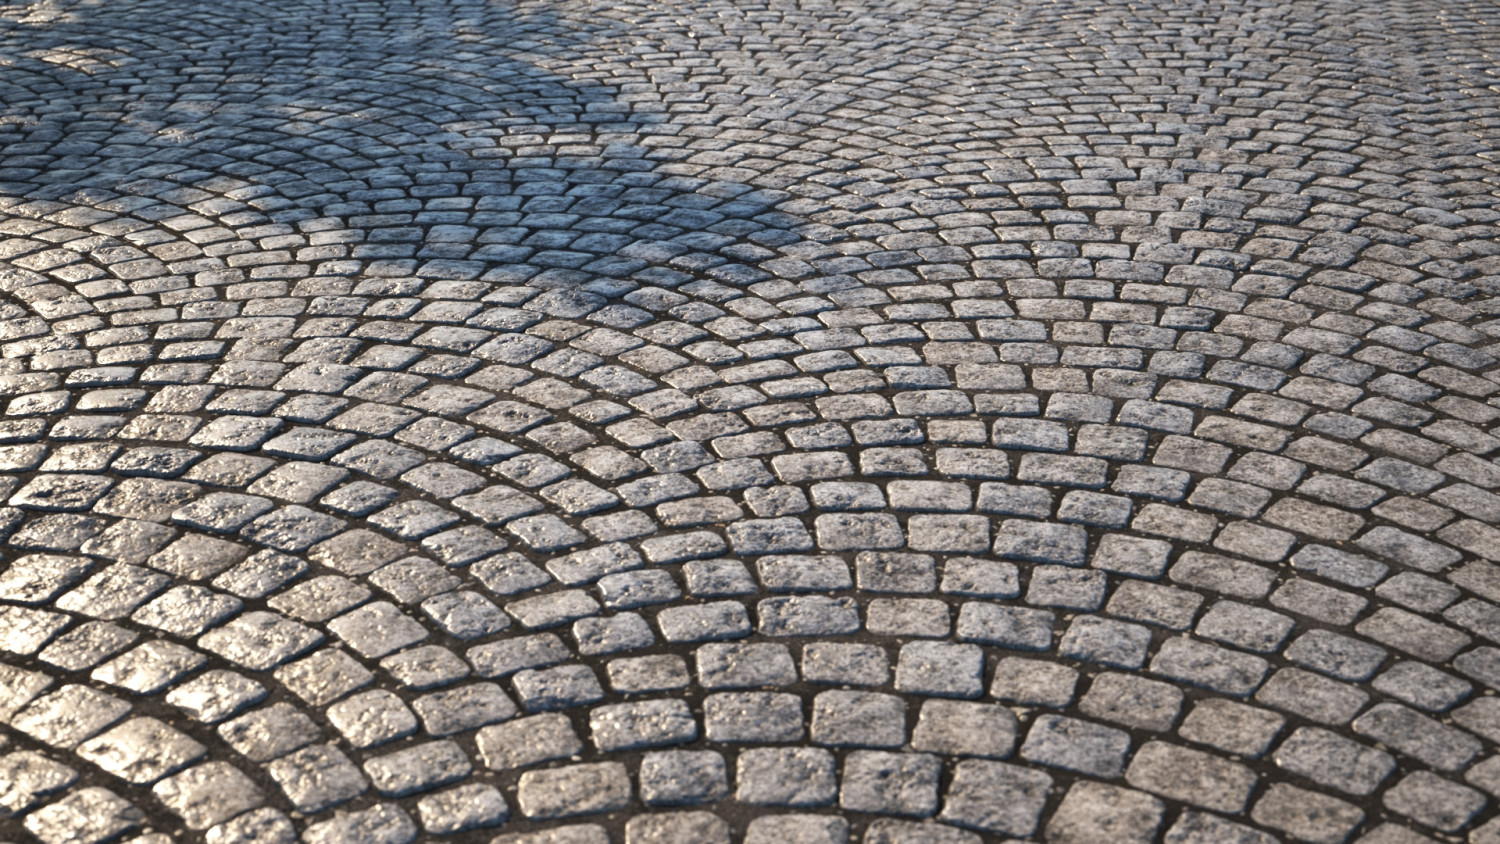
{"points": [[749, 422]]}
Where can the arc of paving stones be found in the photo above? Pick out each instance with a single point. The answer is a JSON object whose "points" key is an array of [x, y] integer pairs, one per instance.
{"points": [[846, 469]]}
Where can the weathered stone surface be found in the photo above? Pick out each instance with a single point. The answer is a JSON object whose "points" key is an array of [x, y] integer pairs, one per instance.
{"points": [[555, 406]]}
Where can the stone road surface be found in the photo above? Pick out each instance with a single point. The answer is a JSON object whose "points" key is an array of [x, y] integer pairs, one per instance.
{"points": [[778, 421]]}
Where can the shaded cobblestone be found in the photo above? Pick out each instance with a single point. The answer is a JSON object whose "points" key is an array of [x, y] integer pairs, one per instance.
{"points": [[960, 423]]}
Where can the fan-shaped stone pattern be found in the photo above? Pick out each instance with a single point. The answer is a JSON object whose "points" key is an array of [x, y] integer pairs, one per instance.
{"points": [[661, 424]]}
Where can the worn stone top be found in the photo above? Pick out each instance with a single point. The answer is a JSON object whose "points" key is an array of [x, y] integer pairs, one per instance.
{"points": [[766, 422]]}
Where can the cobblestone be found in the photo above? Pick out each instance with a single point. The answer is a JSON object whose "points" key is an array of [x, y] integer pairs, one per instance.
{"points": [[1307, 815], [996, 797], [851, 397], [574, 790], [1094, 812]]}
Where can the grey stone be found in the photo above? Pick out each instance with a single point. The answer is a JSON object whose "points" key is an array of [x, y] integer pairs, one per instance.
{"points": [[141, 750], [638, 589], [413, 580], [634, 314], [463, 808], [704, 622], [639, 675], [382, 823], [465, 615], [29, 777], [1434, 802], [839, 663], [940, 669], [1133, 556], [1200, 664], [626, 631], [725, 666], [785, 535], [86, 645], [682, 777], [803, 574], [861, 719], [978, 578], [372, 718], [752, 717], [1334, 761], [1313, 697], [1480, 716], [269, 733], [918, 617], [1413, 634], [574, 790], [527, 741], [324, 676], [1231, 726], [507, 656], [1418, 736], [1041, 542], [1068, 588], [887, 831], [1249, 628], [1149, 603], [652, 723], [417, 768], [965, 729], [1306, 815], [718, 578], [1191, 776], [316, 778], [456, 710], [377, 629], [1018, 628], [890, 783], [1105, 641], [1031, 682], [844, 532], [1133, 701], [1335, 655], [797, 829], [794, 777], [807, 615], [261, 825], [1225, 575], [995, 797], [1422, 686], [1075, 745], [208, 794], [1093, 811], [557, 688], [87, 815], [260, 640], [677, 828], [1203, 828]]}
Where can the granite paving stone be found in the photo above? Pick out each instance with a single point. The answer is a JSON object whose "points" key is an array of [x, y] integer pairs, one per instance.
{"points": [[317, 777], [1306, 815], [1093, 811], [694, 422], [268, 733], [209, 794], [417, 768], [683, 777], [574, 790], [465, 807], [677, 828], [995, 797]]}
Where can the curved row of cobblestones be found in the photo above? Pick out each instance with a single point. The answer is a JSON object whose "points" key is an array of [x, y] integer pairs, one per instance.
{"points": [[810, 421]]}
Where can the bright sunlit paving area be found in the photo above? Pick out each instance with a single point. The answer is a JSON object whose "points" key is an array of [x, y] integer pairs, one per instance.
{"points": [[749, 422]]}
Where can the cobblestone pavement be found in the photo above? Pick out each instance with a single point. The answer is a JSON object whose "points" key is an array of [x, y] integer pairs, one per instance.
{"points": [[781, 422]]}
